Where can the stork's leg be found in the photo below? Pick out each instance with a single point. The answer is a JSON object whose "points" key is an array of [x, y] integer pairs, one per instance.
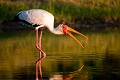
{"points": [[41, 53], [37, 46]]}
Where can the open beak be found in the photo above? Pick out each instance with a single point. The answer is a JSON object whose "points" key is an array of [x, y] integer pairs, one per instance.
{"points": [[72, 30]]}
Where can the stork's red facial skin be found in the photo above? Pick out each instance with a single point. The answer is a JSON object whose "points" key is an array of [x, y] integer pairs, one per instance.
{"points": [[64, 28]]}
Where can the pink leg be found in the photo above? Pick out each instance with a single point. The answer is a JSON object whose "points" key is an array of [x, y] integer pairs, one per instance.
{"points": [[41, 56], [37, 46]]}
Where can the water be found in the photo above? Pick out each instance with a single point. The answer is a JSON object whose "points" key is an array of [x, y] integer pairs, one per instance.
{"points": [[101, 56]]}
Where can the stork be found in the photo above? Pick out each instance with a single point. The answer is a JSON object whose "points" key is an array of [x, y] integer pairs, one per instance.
{"points": [[39, 19]]}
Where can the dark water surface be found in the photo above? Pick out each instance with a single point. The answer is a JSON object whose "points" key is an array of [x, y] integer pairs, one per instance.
{"points": [[101, 56]]}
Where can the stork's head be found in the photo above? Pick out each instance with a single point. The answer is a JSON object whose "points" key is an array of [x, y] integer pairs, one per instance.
{"points": [[67, 30]]}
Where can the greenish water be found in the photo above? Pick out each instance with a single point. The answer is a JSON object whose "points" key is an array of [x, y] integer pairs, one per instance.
{"points": [[100, 57]]}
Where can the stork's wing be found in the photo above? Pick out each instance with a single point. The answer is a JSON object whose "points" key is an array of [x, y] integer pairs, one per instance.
{"points": [[34, 17]]}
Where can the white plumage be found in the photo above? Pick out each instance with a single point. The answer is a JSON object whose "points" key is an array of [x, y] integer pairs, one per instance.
{"points": [[39, 17]]}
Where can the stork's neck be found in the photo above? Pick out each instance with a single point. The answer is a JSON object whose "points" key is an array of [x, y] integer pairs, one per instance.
{"points": [[58, 30]]}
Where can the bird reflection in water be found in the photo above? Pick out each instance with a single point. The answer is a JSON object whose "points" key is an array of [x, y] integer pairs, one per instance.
{"points": [[67, 77]]}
